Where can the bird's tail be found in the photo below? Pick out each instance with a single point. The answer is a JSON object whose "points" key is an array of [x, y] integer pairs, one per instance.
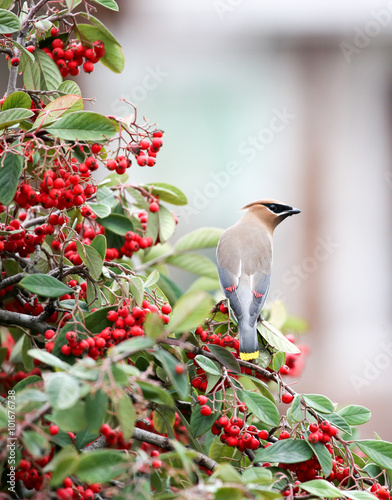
{"points": [[249, 345]]}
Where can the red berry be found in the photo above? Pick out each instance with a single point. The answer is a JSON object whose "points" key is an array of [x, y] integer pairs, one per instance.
{"points": [[88, 67], [205, 411], [15, 61], [66, 350], [49, 334], [284, 435], [53, 429], [30, 48], [223, 309], [202, 400], [313, 437], [332, 430], [284, 370], [57, 43], [179, 369], [313, 427], [54, 31], [154, 207], [142, 160], [287, 398], [263, 434], [157, 464], [223, 421], [96, 148], [166, 309], [105, 429], [325, 425]]}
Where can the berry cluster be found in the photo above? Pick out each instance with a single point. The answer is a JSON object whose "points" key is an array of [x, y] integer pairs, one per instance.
{"points": [[146, 150], [8, 380], [69, 58], [236, 433], [71, 491], [127, 322], [323, 432]]}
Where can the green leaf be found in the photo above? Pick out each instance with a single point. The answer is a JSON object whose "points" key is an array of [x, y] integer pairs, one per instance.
{"points": [[190, 311], [43, 74], [63, 390], [318, 402], [125, 413], [114, 57], [355, 414], [91, 258], [72, 419], [105, 196], [44, 285], [152, 279], [10, 171], [205, 237], [154, 393], [117, 223], [83, 126], [322, 488], [208, 365], [96, 407], [99, 244], [70, 87], [194, 263], [137, 289], [323, 456], [9, 22], [163, 420], [27, 361], [100, 466], [13, 116], [276, 339], [48, 359], [378, 451], [287, 451], [225, 357], [278, 360], [57, 108], [169, 363], [258, 475], [37, 444], [109, 4], [358, 495], [4, 4], [17, 100], [201, 424], [101, 211], [97, 321], [167, 223], [262, 408], [33, 379], [132, 345], [222, 453], [295, 412], [62, 464], [168, 193]]}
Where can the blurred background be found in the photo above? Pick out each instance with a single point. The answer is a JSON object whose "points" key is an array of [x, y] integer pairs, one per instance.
{"points": [[286, 100]]}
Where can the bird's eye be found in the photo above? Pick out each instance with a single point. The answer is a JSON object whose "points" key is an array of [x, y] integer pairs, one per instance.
{"points": [[272, 207]]}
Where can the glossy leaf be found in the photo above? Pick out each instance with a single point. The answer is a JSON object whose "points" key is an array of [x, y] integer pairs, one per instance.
{"points": [[91, 258], [377, 450], [323, 456], [318, 402], [63, 390], [208, 365], [48, 359], [288, 451], [17, 100], [9, 22], [355, 414], [117, 223], [43, 74], [167, 223], [44, 285], [194, 263], [180, 381], [36, 443], [125, 413], [105, 196], [167, 192], [321, 488], [109, 4], [205, 237], [225, 357], [62, 465], [83, 126], [14, 116], [262, 408], [57, 108], [276, 339]]}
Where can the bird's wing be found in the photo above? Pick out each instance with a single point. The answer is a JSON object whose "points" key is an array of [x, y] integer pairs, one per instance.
{"points": [[261, 283]]}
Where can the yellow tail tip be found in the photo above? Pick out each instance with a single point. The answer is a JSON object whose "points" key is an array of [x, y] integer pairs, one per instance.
{"points": [[246, 356]]}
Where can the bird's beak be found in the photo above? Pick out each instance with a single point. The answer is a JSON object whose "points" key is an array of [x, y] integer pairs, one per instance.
{"points": [[294, 211]]}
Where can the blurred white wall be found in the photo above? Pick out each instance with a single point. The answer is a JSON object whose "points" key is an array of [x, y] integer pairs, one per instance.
{"points": [[290, 101]]}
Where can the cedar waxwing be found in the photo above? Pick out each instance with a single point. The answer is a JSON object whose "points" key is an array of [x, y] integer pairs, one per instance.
{"points": [[244, 258]]}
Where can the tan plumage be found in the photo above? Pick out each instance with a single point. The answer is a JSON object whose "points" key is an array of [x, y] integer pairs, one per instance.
{"points": [[244, 258]]}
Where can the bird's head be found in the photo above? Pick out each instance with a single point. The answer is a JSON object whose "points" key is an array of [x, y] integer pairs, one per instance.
{"points": [[271, 212]]}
